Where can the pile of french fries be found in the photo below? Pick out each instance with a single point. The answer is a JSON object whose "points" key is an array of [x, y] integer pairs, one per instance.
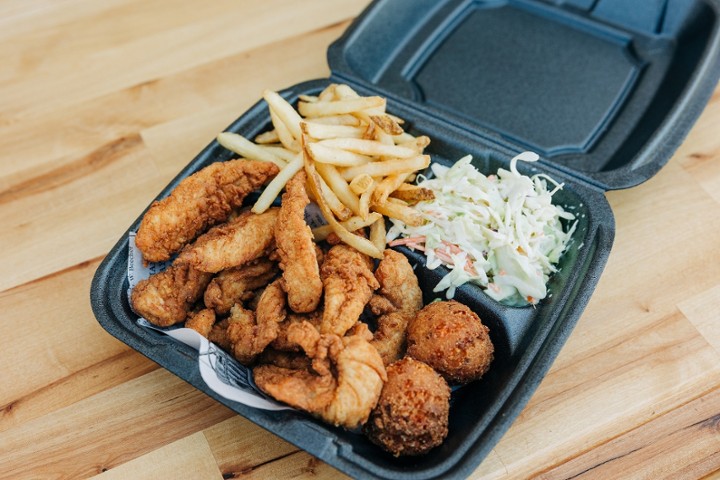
{"points": [[358, 159]]}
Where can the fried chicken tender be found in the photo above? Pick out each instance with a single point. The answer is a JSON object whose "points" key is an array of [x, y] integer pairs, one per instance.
{"points": [[390, 337], [452, 339], [202, 200], [167, 297], [296, 248], [238, 284], [411, 416], [246, 238], [282, 342], [251, 332], [201, 321], [399, 288], [398, 299], [348, 282], [343, 384]]}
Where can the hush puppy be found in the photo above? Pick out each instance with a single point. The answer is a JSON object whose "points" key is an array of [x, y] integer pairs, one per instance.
{"points": [[450, 338], [411, 416]]}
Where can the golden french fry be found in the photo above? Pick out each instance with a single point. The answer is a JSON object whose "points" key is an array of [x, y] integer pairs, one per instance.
{"points": [[374, 132], [267, 137], [273, 189], [322, 131], [365, 197], [328, 94], [338, 185], [407, 215], [339, 107], [412, 193], [343, 91], [336, 156], [416, 143], [362, 245], [369, 147], [387, 124], [285, 112], [351, 224], [388, 185], [345, 119], [361, 183], [308, 98], [403, 139], [340, 210], [245, 148], [281, 152], [388, 167], [283, 133], [378, 234]]}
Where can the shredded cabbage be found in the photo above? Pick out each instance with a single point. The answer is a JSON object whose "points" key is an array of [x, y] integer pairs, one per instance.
{"points": [[501, 232]]}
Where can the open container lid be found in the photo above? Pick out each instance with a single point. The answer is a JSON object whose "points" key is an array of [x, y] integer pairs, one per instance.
{"points": [[603, 90]]}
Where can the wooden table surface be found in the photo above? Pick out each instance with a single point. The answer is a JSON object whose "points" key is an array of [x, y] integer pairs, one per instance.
{"points": [[103, 102]]}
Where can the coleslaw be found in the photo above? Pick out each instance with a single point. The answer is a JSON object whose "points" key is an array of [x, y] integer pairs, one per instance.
{"points": [[501, 232]]}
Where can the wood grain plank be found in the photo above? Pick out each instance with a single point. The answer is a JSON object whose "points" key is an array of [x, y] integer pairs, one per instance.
{"points": [[189, 458], [702, 310], [239, 446], [108, 429], [94, 193], [59, 353], [660, 449], [139, 41], [630, 342]]}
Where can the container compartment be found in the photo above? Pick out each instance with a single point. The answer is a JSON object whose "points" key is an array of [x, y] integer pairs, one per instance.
{"points": [[587, 85], [526, 338]]}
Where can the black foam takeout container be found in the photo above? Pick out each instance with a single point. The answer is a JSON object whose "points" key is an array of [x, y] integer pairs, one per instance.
{"points": [[603, 90]]}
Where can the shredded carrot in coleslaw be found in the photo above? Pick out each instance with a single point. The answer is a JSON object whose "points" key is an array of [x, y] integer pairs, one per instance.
{"points": [[501, 232]]}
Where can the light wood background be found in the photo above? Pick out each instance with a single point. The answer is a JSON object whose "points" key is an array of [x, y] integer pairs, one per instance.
{"points": [[103, 102]]}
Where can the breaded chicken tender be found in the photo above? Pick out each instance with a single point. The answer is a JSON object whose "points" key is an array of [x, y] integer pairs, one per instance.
{"points": [[282, 342], [201, 321], [397, 301], [296, 248], [399, 288], [202, 200], [343, 384], [251, 332], [232, 244], [238, 284], [348, 283], [411, 416], [167, 297], [452, 339], [390, 337]]}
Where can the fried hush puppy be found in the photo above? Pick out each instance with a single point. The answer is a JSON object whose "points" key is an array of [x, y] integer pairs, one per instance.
{"points": [[452, 339], [411, 416]]}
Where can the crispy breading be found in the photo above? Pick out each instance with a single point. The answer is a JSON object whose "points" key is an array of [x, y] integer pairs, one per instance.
{"points": [[390, 338], [399, 289], [246, 238], [237, 284], [343, 384], [452, 339], [348, 282], [412, 414], [250, 332], [296, 248], [201, 321], [202, 200], [167, 297], [281, 342]]}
